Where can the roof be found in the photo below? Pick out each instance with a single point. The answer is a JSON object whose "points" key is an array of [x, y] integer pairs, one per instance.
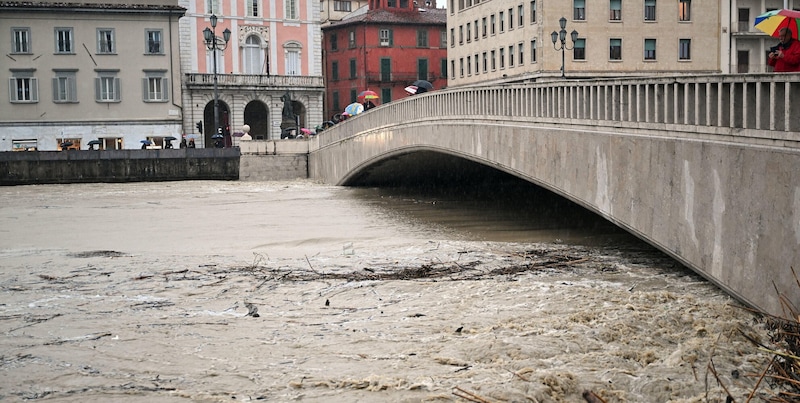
{"points": [[424, 16], [87, 6]]}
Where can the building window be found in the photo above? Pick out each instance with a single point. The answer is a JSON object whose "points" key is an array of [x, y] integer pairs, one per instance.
{"points": [[290, 7], [252, 55], [65, 87], [469, 32], [476, 30], [685, 10], [334, 42], [443, 68], [485, 62], [452, 37], [105, 41], [64, 40], [453, 68], [385, 37], [684, 49], [492, 60], [153, 44], [492, 24], [579, 49], [511, 56], [212, 7], [461, 67], [386, 69], [23, 87], [615, 49], [469, 65], [477, 64], [460, 34], [106, 87], [334, 71], [335, 101], [533, 11], [579, 10], [502, 18], [533, 51], [649, 49], [353, 69], [484, 25], [342, 6], [252, 8], [353, 95], [422, 38], [520, 17], [22, 40], [510, 19], [443, 39], [615, 10], [292, 53], [351, 39], [521, 53], [649, 10], [502, 58], [155, 86], [386, 95]]}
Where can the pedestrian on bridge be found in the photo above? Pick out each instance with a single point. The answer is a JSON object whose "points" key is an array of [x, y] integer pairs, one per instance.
{"points": [[785, 57]]}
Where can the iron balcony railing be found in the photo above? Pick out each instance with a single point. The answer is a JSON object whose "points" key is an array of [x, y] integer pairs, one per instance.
{"points": [[254, 80]]}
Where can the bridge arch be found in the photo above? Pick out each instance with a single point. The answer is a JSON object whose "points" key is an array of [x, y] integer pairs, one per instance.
{"points": [[694, 166]]}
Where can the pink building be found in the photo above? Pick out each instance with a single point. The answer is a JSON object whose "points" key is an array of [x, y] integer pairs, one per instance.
{"points": [[265, 50]]}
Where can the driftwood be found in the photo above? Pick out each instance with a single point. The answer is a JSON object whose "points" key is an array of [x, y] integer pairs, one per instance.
{"points": [[465, 394]]}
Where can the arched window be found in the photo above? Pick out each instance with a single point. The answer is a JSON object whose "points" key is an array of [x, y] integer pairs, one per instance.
{"points": [[252, 55], [292, 53]]}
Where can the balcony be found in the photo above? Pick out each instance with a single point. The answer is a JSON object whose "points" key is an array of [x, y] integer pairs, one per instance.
{"points": [[397, 77], [197, 80]]}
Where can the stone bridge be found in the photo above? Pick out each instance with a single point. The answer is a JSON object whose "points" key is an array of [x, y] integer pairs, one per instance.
{"points": [[704, 168]]}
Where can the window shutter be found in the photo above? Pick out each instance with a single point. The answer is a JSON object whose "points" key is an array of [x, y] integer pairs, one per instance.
{"points": [[165, 89], [34, 90], [12, 89], [55, 89], [391, 37], [117, 95], [73, 89], [145, 90], [97, 87]]}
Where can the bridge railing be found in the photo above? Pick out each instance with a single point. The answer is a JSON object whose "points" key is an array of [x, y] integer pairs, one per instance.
{"points": [[755, 108]]}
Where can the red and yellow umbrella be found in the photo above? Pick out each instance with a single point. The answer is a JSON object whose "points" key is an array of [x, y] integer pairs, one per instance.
{"points": [[771, 22]]}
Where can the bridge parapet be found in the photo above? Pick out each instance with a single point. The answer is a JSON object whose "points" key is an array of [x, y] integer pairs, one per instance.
{"points": [[753, 108]]}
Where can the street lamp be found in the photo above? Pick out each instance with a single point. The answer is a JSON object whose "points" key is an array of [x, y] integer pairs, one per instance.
{"points": [[212, 43], [562, 36]]}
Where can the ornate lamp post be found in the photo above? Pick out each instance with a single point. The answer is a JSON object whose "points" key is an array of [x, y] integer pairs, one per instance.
{"points": [[213, 43], [562, 36]]}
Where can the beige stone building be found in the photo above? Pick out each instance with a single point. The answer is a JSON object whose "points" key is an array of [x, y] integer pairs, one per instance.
{"points": [[78, 72], [505, 40], [745, 49], [335, 10]]}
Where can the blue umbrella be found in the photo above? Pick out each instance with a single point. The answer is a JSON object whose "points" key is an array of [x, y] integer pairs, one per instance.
{"points": [[146, 142]]}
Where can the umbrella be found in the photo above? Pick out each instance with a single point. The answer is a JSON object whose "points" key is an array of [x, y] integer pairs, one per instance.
{"points": [[66, 144], [368, 95], [146, 142], [771, 22], [94, 142], [306, 131], [354, 109], [217, 136], [411, 89], [423, 84], [169, 138]]}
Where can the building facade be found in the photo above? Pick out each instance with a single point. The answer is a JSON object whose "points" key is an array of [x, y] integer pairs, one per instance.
{"points": [[503, 40], [385, 49], [335, 10], [102, 72], [273, 54]]}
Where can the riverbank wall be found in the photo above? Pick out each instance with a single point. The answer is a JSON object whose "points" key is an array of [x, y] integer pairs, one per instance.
{"points": [[254, 160]]}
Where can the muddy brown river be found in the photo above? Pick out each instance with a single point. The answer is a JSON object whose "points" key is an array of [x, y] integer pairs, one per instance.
{"points": [[296, 291]]}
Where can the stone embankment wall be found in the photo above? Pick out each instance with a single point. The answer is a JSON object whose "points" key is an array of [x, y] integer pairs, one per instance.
{"points": [[252, 161], [84, 166]]}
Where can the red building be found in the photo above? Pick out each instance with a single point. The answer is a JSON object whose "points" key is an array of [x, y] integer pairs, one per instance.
{"points": [[383, 49]]}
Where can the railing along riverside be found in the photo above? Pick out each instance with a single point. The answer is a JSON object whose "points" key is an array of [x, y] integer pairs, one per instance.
{"points": [[258, 80], [754, 108]]}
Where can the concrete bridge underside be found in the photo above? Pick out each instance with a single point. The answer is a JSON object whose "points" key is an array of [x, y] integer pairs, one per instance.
{"points": [[729, 211]]}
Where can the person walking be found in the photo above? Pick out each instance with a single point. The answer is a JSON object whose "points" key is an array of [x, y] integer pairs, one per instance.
{"points": [[785, 57], [183, 143]]}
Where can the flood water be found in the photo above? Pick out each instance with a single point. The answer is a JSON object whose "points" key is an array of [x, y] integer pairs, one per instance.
{"points": [[296, 291]]}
